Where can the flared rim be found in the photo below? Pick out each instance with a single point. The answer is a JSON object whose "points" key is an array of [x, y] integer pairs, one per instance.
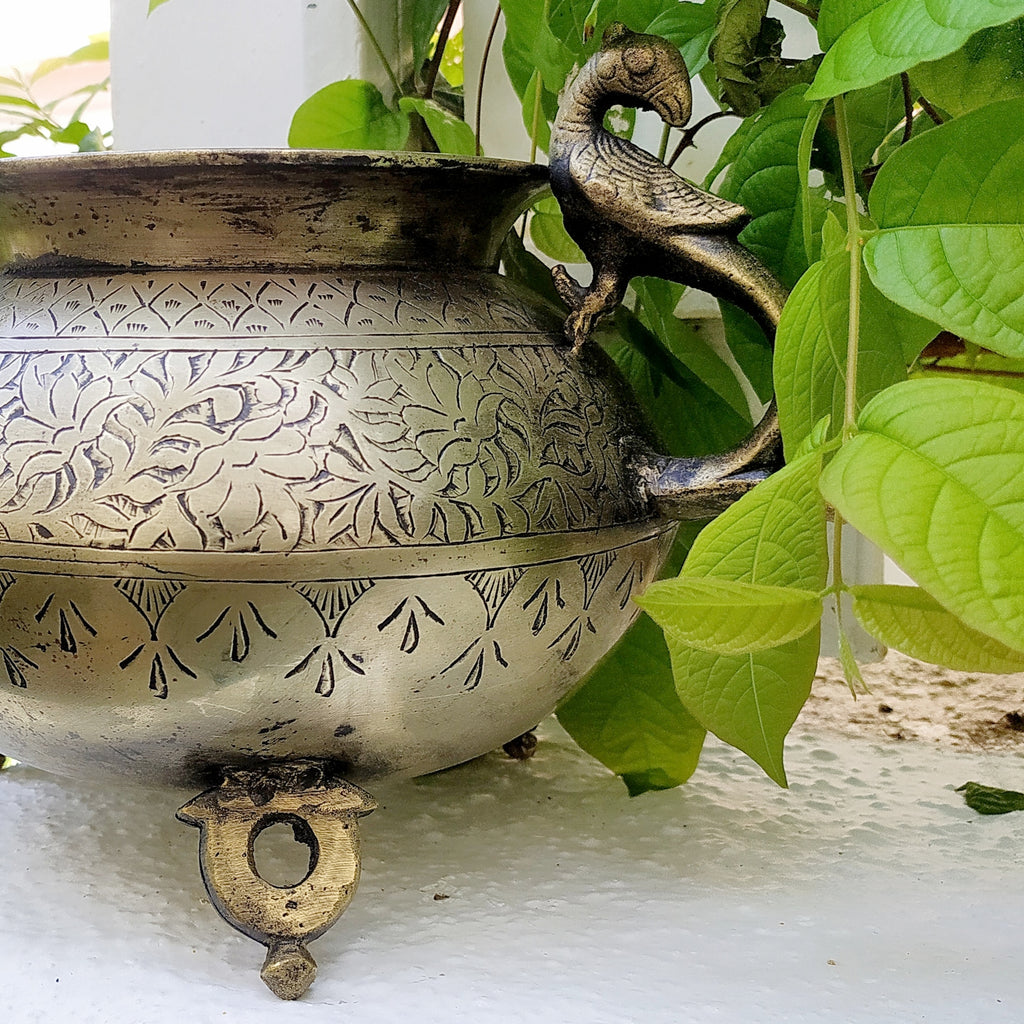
{"points": [[268, 159]]}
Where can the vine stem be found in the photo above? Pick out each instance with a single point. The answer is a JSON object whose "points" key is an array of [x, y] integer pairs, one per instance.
{"points": [[804, 9], [854, 241], [442, 41], [372, 39], [483, 70]]}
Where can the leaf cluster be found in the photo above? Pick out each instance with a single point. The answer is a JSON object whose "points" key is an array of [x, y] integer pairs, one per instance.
{"points": [[909, 122], [421, 109], [23, 115]]}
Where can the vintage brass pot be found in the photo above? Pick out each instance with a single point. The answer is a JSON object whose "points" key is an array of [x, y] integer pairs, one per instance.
{"points": [[295, 487]]}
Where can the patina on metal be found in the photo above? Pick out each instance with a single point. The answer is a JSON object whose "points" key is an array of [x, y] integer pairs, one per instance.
{"points": [[631, 215], [323, 811], [290, 474]]}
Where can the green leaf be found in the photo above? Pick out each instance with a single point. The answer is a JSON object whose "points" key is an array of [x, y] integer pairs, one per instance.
{"points": [[72, 134], [691, 27], [836, 16], [749, 700], [894, 35], [98, 48], [774, 535], [628, 715], [348, 115], [451, 133], [520, 265], [657, 302], [763, 177], [913, 622], [549, 234], [934, 479], [989, 800], [743, 40], [417, 22], [951, 207], [544, 116], [988, 67], [811, 347], [730, 617], [530, 45], [453, 60], [154, 4], [689, 418]]}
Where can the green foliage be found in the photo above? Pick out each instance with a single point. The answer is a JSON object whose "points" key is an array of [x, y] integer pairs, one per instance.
{"points": [[730, 616], [912, 621], [951, 216], [878, 39], [350, 114], [773, 536], [30, 117], [933, 477], [988, 67], [422, 110]]}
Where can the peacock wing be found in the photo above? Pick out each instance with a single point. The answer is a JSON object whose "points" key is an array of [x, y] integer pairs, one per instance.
{"points": [[632, 188]]}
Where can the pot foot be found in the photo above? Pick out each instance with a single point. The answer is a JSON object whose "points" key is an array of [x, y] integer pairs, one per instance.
{"points": [[323, 813], [522, 748], [288, 970]]}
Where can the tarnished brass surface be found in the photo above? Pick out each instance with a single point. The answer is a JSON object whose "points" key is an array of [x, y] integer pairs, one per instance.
{"points": [[633, 216], [324, 813], [376, 514]]}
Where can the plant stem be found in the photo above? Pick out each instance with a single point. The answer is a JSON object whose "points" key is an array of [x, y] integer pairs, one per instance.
{"points": [[908, 108], [803, 159], [480, 79], [663, 144], [691, 133], [853, 242], [376, 46], [930, 110], [442, 41], [804, 9], [535, 123]]}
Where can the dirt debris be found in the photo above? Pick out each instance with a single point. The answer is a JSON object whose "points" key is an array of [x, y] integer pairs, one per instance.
{"points": [[910, 700]]}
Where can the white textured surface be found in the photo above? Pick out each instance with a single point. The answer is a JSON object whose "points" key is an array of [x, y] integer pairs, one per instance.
{"points": [[727, 900]]}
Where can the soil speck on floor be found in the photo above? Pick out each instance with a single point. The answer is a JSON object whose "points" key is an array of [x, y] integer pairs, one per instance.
{"points": [[910, 700]]}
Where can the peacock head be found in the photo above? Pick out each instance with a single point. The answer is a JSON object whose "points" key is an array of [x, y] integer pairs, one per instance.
{"points": [[644, 71]]}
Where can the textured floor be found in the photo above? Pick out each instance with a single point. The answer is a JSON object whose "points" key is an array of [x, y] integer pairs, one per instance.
{"points": [[867, 892]]}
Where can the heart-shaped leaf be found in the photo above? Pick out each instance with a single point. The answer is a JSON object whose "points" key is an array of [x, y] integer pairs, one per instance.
{"points": [[935, 477], [774, 535], [348, 115], [811, 347], [915, 623], [730, 617], [894, 35]]}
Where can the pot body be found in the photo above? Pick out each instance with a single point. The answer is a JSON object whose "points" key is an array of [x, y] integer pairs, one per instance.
{"points": [[288, 470]]}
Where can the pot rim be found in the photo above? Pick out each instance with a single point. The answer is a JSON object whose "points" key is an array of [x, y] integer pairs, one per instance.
{"points": [[258, 208], [269, 158]]}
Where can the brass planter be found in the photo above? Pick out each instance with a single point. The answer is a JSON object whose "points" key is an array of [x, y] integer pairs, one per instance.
{"points": [[295, 487]]}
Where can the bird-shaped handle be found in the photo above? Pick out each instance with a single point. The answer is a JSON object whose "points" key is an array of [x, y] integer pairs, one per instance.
{"points": [[633, 216]]}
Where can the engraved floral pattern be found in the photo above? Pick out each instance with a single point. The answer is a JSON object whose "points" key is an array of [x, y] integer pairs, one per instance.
{"points": [[275, 450]]}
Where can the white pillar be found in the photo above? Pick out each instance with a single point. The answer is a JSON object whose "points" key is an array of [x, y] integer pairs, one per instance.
{"points": [[222, 73]]}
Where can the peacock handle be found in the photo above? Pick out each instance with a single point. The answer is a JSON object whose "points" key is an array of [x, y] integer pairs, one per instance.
{"points": [[323, 811], [633, 216]]}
